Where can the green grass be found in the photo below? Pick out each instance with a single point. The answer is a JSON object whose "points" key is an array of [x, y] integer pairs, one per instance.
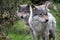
{"points": [[19, 37], [25, 37]]}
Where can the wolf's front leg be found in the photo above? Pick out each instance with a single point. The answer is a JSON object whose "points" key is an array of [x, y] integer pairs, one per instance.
{"points": [[37, 37], [47, 33], [32, 34], [46, 36]]}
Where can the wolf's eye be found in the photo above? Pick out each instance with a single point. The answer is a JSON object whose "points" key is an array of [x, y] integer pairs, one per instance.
{"points": [[19, 10], [46, 14], [26, 10], [40, 14]]}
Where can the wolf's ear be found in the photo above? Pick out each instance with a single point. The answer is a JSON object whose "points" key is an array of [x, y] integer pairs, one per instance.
{"points": [[18, 7], [33, 6], [28, 6], [47, 3]]}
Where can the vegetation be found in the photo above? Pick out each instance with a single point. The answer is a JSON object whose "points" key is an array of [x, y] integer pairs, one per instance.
{"points": [[14, 29]]}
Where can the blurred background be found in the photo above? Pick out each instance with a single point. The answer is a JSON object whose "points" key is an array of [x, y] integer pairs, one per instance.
{"points": [[11, 28]]}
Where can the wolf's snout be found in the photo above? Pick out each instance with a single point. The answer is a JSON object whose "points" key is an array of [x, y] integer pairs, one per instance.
{"points": [[46, 21], [22, 17]]}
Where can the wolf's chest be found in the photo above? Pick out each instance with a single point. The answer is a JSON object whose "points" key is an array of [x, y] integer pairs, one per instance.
{"points": [[37, 25]]}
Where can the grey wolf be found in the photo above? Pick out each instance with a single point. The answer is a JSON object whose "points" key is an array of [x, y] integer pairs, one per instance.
{"points": [[39, 25], [24, 12]]}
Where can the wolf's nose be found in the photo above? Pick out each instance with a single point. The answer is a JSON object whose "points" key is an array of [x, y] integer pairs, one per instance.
{"points": [[46, 21], [22, 17]]}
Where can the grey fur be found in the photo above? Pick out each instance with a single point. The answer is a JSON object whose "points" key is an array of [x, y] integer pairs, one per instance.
{"points": [[36, 17], [39, 27]]}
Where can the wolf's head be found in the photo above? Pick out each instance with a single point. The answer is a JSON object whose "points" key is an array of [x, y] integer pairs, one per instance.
{"points": [[23, 11], [41, 12]]}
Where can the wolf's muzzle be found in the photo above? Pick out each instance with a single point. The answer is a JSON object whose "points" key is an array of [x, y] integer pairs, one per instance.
{"points": [[46, 21], [22, 17]]}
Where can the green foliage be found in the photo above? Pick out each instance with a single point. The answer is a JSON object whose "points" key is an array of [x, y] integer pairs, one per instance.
{"points": [[56, 1], [20, 28]]}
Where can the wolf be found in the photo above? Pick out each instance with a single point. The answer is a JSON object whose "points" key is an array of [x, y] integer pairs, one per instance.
{"points": [[23, 13], [38, 22]]}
